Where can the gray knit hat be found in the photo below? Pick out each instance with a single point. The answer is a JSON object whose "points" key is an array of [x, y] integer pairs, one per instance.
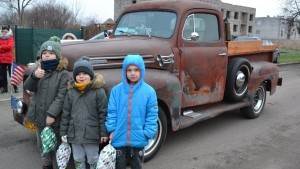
{"points": [[83, 65], [52, 45]]}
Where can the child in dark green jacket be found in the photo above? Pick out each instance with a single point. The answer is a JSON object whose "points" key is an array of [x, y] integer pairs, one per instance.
{"points": [[48, 86], [84, 114]]}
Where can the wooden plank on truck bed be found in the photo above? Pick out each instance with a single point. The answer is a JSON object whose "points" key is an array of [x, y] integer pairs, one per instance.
{"points": [[242, 47]]}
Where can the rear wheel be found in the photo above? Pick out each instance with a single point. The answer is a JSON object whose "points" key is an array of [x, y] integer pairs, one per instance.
{"points": [[158, 140], [238, 73], [257, 104]]}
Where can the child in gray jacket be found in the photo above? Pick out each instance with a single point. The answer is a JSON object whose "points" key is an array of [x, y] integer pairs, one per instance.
{"points": [[84, 114]]}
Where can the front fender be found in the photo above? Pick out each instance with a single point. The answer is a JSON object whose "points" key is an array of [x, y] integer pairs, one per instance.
{"points": [[169, 91]]}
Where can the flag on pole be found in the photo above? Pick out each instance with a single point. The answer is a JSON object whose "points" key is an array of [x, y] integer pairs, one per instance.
{"points": [[17, 72]]}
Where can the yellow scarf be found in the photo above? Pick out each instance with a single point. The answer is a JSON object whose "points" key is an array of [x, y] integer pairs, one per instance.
{"points": [[82, 86]]}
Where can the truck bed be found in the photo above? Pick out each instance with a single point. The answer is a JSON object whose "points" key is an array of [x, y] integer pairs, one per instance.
{"points": [[248, 47]]}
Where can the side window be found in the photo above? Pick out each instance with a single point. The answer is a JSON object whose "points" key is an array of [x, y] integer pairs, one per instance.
{"points": [[205, 25]]}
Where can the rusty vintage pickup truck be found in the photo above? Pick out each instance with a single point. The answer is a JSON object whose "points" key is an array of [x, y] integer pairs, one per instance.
{"points": [[197, 72]]}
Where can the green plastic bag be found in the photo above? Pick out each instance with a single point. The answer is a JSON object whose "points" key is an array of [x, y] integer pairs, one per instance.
{"points": [[48, 140]]}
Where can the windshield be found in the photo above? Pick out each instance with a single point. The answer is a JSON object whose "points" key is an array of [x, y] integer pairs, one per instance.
{"points": [[147, 23]]}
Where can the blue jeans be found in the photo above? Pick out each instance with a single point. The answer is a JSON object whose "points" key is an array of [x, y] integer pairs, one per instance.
{"points": [[131, 155]]}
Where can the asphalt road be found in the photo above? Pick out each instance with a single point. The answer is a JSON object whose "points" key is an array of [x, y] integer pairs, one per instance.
{"points": [[225, 142]]}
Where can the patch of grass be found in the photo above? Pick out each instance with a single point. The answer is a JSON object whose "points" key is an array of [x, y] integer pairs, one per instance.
{"points": [[289, 56]]}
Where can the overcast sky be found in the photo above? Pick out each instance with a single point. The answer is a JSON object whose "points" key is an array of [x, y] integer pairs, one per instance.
{"points": [[104, 9], [263, 7]]}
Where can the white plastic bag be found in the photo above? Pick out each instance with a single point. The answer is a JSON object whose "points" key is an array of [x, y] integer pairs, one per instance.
{"points": [[63, 153], [107, 158]]}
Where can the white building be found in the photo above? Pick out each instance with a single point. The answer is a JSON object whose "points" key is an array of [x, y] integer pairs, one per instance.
{"points": [[276, 28]]}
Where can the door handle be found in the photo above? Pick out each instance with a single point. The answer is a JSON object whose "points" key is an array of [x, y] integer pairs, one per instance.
{"points": [[223, 54]]}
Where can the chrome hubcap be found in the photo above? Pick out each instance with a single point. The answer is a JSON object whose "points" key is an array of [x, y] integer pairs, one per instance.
{"points": [[258, 100], [240, 79]]}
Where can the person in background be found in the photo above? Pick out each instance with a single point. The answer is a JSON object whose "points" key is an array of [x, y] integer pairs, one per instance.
{"points": [[84, 114], [132, 114], [7, 43], [69, 36], [48, 84]]}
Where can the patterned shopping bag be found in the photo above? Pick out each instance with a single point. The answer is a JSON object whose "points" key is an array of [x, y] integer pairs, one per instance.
{"points": [[63, 154], [107, 158], [48, 140]]}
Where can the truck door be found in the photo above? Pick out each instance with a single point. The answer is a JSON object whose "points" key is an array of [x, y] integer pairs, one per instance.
{"points": [[203, 58]]}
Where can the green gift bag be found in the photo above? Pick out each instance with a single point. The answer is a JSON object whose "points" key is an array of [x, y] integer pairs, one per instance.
{"points": [[48, 140]]}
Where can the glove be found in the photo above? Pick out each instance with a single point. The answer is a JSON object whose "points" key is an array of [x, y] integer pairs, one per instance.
{"points": [[64, 139]]}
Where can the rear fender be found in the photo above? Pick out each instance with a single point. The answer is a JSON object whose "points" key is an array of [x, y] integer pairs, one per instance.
{"points": [[263, 72]]}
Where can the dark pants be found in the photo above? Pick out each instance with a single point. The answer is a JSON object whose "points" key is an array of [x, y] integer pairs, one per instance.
{"points": [[3, 73], [133, 156]]}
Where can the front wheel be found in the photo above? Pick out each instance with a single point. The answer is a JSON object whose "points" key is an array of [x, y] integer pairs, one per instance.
{"points": [[158, 140], [257, 103]]}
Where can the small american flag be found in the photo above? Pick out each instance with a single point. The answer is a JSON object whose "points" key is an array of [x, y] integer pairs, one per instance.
{"points": [[17, 72]]}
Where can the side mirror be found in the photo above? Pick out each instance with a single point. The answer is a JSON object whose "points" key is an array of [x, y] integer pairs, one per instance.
{"points": [[194, 36]]}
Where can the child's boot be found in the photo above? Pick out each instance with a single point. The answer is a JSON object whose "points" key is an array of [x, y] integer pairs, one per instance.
{"points": [[79, 165], [93, 166]]}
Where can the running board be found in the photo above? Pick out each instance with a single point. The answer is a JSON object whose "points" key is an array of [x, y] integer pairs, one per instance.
{"points": [[201, 113]]}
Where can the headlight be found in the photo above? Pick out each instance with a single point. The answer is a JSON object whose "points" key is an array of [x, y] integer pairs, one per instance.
{"points": [[20, 107]]}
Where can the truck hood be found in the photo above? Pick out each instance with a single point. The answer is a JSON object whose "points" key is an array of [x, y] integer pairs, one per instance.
{"points": [[109, 53]]}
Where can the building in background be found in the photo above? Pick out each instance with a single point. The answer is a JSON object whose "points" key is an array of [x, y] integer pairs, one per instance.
{"points": [[276, 28], [241, 18]]}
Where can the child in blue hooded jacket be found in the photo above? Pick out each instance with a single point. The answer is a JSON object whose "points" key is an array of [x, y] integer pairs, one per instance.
{"points": [[132, 114]]}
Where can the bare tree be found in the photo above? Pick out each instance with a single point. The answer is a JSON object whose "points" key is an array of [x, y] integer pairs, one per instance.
{"points": [[9, 18], [50, 15], [77, 9], [291, 11], [92, 27], [17, 6]]}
